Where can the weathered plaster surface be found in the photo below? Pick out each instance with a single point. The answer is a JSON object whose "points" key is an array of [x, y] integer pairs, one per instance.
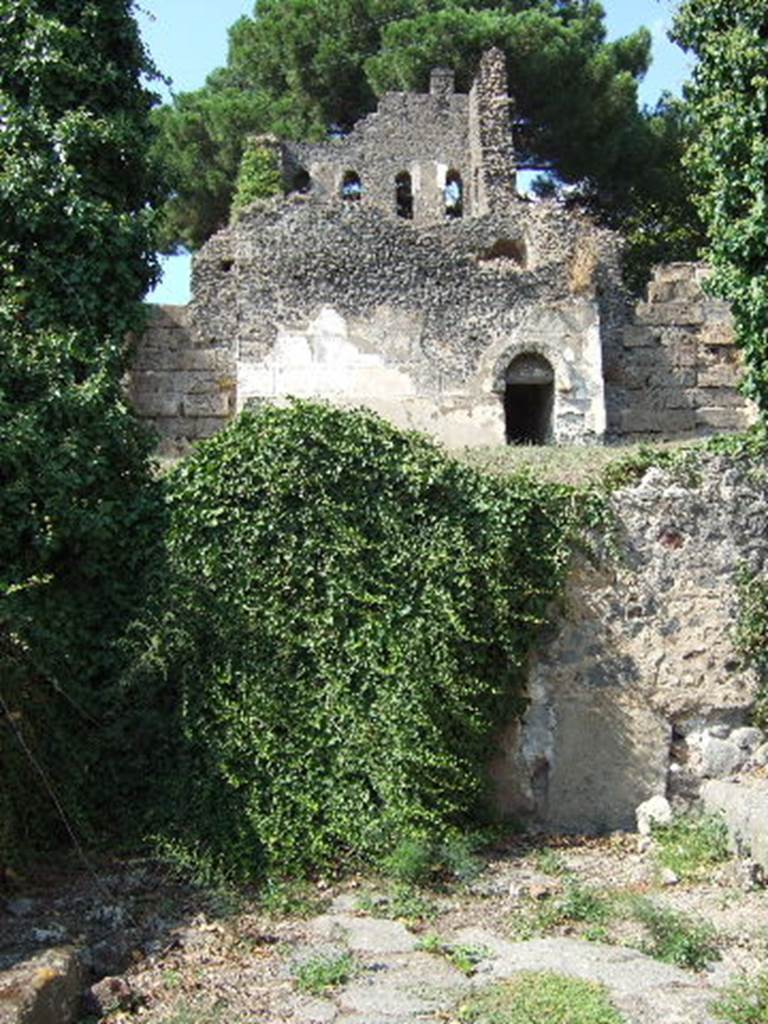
{"points": [[639, 690]]}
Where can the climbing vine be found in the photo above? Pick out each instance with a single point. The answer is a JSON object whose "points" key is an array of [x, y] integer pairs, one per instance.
{"points": [[348, 620]]}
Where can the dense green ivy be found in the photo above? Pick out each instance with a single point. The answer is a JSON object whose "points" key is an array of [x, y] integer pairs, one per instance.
{"points": [[347, 624], [78, 510], [728, 161]]}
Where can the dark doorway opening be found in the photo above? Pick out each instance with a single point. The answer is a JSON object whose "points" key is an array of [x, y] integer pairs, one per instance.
{"points": [[529, 399], [404, 195]]}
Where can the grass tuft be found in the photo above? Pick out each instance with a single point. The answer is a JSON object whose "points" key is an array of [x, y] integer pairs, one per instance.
{"points": [[541, 998]]}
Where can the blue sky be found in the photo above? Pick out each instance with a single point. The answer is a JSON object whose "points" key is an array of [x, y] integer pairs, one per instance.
{"points": [[188, 39]]}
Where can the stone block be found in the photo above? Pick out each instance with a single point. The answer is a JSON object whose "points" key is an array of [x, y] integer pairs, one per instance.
{"points": [[718, 334], [670, 313], [639, 421], [720, 398], [722, 419], [156, 403], [639, 336], [744, 805], [676, 421], [206, 405], [676, 272], [721, 375]]}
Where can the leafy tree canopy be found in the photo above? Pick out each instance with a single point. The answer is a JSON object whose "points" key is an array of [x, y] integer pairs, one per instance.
{"points": [[300, 67], [728, 161], [76, 256]]}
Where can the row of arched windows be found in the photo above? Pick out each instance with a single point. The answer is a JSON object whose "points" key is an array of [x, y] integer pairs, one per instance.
{"points": [[453, 193]]}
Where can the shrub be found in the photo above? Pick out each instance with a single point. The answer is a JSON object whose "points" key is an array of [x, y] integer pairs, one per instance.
{"points": [[676, 938], [348, 621]]}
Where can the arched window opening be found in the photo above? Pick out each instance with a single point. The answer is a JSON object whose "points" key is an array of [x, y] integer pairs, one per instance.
{"points": [[404, 195], [506, 250], [301, 181], [529, 398], [453, 195], [351, 186]]}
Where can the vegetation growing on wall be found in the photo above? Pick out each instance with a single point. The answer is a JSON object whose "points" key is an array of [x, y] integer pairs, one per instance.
{"points": [[77, 507], [728, 161], [348, 620], [259, 176]]}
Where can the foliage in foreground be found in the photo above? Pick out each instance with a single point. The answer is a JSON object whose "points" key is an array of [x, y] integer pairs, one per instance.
{"points": [[744, 1002], [728, 161], [541, 998], [348, 619], [78, 510], [692, 844]]}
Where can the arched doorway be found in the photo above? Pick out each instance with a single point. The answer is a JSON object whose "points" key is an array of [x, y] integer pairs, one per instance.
{"points": [[453, 195], [351, 186], [529, 399]]}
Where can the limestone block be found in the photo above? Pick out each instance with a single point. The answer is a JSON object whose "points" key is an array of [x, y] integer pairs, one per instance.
{"points": [[656, 811], [639, 336], [744, 805], [677, 271], [720, 398], [206, 405], [722, 419], [721, 375], [156, 403], [671, 313], [718, 334]]}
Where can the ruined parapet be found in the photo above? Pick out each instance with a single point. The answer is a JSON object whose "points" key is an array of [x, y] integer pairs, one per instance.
{"points": [[676, 371], [492, 152]]}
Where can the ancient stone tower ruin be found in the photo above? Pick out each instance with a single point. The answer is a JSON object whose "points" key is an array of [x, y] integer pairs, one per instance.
{"points": [[401, 270]]}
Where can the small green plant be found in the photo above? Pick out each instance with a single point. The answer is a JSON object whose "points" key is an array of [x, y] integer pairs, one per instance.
{"points": [[752, 636], [404, 903], [541, 998], [259, 176], [744, 1002], [691, 845], [324, 972], [463, 957], [675, 938], [419, 861], [550, 862], [288, 899], [578, 904]]}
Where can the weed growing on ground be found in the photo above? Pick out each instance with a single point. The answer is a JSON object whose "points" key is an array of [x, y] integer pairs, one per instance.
{"points": [[464, 958], [578, 903], [321, 973], [289, 899], [550, 862], [541, 998], [691, 845], [417, 861], [675, 938], [744, 1002], [403, 903]]}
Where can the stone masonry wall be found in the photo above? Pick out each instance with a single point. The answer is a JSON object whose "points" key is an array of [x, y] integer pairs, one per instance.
{"points": [[340, 301], [182, 386], [639, 690], [676, 371]]}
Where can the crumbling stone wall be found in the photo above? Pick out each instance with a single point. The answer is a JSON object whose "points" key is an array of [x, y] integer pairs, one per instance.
{"points": [[342, 302], [639, 690], [676, 370]]}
